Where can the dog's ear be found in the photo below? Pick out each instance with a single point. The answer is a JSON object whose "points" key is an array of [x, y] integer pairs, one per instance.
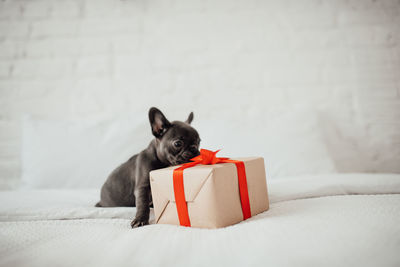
{"points": [[190, 118], [159, 124]]}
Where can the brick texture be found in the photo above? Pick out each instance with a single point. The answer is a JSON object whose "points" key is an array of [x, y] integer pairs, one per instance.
{"points": [[77, 58]]}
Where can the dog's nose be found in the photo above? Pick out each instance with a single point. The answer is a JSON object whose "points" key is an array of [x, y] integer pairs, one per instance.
{"points": [[196, 153]]}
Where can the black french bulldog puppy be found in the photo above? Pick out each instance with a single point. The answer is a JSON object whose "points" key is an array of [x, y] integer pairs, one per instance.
{"points": [[129, 185]]}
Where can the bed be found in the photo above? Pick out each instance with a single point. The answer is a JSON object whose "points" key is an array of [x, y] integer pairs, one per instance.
{"points": [[318, 220]]}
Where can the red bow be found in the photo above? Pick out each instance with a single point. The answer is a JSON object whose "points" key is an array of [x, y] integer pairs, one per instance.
{"points": [[208, 157]]}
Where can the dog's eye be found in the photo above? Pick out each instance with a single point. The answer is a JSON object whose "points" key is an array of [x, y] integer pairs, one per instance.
{"points": [[193, 149], [178, 144]]}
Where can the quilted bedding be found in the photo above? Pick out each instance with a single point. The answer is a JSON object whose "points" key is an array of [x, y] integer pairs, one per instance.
{"points": [[331, 220]]}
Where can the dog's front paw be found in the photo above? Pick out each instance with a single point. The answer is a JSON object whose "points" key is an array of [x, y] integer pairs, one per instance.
{"points": [[137, 222]]}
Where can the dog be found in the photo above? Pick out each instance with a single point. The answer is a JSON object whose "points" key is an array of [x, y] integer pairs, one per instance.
{"points": [[129, 185]]}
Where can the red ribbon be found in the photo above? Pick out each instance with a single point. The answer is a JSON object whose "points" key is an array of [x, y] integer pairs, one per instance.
{"points": [[208, 157]]}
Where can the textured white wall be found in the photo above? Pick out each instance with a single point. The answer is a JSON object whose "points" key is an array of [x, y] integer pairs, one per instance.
{"points": [[247, 60]]}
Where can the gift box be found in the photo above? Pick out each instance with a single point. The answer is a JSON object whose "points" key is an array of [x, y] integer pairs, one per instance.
{"points": [[210, 192]]}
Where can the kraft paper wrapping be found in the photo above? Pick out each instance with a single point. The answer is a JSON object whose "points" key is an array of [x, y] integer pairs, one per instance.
{"points": [[211, 192]]}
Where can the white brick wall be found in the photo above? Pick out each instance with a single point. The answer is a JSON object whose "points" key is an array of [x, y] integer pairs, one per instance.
{"points": [[74, 58]]}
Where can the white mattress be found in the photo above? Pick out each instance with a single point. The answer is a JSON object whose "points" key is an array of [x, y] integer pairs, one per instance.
{"points": [[331, 220]]}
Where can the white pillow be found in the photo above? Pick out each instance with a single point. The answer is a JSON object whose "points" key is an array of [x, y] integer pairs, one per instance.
{"points": [[65, 154], [291, 143]]}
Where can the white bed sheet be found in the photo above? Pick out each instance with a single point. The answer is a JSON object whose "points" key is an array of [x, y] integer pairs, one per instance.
{"points": [[332, 220]]}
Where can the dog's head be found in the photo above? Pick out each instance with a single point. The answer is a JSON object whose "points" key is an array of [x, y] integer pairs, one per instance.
{"points": [[177, 141]]}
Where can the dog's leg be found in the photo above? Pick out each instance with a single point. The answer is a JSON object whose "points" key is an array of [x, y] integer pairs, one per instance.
{"points": [[142, 206]]}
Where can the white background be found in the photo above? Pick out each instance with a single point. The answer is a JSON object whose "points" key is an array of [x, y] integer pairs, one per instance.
{"points": [[231, 62]]}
